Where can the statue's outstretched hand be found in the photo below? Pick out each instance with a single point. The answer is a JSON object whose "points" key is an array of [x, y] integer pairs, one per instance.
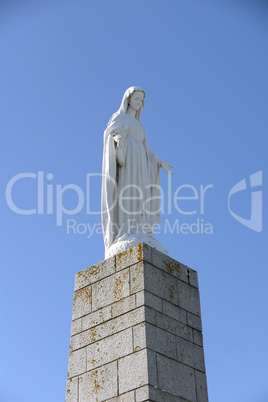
{"points": [[120, 140], [166, 167]]}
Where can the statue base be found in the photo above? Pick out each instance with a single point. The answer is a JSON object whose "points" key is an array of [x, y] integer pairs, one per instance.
{"points": [[136, 331], [126, 242]]}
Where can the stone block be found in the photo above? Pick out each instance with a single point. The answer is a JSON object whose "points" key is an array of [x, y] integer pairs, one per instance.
{"points": [[109, 349], [139, 337], [150, 315], [161, 341], [193, 278], [152, 367], [97, 317], [108, 328], [99, 384], [123, 306], [161, 284], [72, 390], [188, 298], [110, 290], [174, 326], [95, 273], [128, 397], [190, 354], [142, 394], [169, 265], [194, 321], [150, 393], [136, 278], [201, 386], [139, 252], [148, 299], [82, 303], [176, 378], [76, 326], [198, 337], [174, 312], [77, 363], [136, 331], [133, 371]]}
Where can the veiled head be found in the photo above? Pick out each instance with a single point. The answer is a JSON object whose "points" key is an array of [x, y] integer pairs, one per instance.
{"points": [[126, 100]]}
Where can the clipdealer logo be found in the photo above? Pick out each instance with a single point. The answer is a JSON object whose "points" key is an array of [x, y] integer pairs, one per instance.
{"points": [[255, 220], [50, 200]]}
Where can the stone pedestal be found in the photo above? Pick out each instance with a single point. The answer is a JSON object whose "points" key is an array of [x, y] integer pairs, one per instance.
{"points": [[136, 331]]}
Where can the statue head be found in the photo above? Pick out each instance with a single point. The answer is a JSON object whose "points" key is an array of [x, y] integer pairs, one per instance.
{"points": [[129, 96]]}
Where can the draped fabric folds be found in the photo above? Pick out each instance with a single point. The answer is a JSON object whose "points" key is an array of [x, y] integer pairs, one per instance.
{"points": [[130, 182]]}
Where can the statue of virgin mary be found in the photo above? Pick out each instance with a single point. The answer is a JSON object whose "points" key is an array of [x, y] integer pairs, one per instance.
{"points": [[130, 179]]}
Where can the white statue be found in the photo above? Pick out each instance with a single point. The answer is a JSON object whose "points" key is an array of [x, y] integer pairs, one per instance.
{"points": [[130, 181]]}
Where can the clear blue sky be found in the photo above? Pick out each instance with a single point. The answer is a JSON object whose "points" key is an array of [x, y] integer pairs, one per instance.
{"points": [[64, 68]]}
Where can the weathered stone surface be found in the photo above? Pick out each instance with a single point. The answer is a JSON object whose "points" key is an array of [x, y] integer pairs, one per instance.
{"points": [[194, 321], [176, 378], [108, 328], [123, 306], [155, 394], [76, 326], [174, 326], [188, 298], [82, 304], [142, 394], [139, 252], [110, 290], [201, 386], [109, 349], [128, 397], [158, 395], [98, 385], [95, 273], [161, 284], [174, 312], [148, 299], [72, 390], [77, 363], [139, 337], [169, 265], [136, 278], [198, 337], [133, 371], [150, 315], [136, 332], [193, 279], [97, 317], [152, 367], [190, 354], [161, 341]]}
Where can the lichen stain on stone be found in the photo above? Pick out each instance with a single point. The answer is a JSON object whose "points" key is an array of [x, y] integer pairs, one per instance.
{"points": [[130, 256], [83, 295], [93, 361], [119, 307], [173, 268], [171, 292], [140, 252], [95, 381], [83, 278], [93, 335], [118, 289], [134, 287]]}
